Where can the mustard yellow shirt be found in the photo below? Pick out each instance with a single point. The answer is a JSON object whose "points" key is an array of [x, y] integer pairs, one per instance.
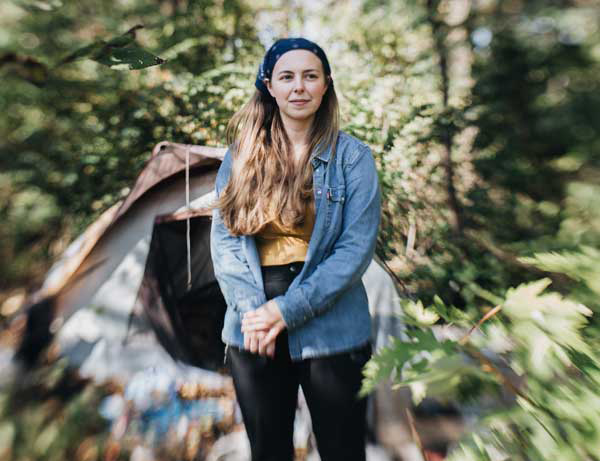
{"points": [[279, 245]]}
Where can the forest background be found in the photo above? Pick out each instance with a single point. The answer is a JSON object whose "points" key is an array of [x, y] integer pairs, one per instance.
{"points": [[482, 115]]}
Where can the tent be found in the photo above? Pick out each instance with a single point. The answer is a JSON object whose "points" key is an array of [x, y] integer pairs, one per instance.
{"points": [[122, 296]]}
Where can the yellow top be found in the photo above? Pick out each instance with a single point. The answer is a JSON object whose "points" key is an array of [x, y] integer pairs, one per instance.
{"points": [[279, 245]]}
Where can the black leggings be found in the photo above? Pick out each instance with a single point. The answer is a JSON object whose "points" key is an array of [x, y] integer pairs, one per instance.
{"points": [[267, 391]]}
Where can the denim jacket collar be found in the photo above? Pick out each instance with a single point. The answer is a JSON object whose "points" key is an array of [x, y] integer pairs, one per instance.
{"points": [[321, 154]]}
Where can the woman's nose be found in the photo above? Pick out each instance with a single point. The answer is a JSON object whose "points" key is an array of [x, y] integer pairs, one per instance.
{"points": [[298, 85]]}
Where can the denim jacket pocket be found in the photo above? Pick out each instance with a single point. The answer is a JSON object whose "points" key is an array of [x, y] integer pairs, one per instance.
{"points": [[336, 194]]}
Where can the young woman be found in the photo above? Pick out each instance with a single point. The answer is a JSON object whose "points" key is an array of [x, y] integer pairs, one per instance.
{"points": [[294, 229]]}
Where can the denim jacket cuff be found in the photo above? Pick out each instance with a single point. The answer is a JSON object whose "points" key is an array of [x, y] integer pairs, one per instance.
{"points": [[247, 304], [295, 309]]}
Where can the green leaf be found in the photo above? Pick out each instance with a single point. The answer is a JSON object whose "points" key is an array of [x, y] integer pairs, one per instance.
{"points": [[581, 265], [83, 52], [546, 327], [131, 57], [35, 6], [410, 361], [117, 52], [521, 301], [450, 314], [419, 315]]}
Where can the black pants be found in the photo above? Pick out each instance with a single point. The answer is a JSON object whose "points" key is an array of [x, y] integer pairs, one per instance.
{"points": [[267, 392]]}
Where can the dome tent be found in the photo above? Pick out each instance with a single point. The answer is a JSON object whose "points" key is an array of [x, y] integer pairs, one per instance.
{"points": [[122, 285]]}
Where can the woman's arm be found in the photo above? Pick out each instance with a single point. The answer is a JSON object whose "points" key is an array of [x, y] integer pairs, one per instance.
{"points": [[352, 252], [231, 268]]}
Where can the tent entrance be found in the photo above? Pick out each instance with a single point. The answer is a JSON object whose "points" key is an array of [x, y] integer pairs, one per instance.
{"points": [[187, 320]]}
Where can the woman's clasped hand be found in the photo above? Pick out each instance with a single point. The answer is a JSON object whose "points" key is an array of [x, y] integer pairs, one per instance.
{"points": [[261, 328]]}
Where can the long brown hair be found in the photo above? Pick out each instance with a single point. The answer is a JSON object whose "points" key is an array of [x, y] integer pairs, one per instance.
{"points": [[264, 182]]}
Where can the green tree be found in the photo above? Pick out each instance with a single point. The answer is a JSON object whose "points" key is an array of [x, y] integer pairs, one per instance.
{"points": [[87, 90]]}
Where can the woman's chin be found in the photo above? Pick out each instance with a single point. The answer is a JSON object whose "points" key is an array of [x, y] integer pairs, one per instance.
{"points": [[300, 115]]}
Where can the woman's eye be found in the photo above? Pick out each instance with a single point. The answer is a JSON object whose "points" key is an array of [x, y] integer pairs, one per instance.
{"points": [[313, 76]]}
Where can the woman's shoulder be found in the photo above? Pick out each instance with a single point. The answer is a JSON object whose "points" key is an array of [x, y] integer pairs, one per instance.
{"points": [[227, 161], [351, 148], [224, 170]]}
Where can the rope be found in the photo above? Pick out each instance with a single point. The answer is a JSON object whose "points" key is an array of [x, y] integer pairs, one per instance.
{"points": [[187, 220]]}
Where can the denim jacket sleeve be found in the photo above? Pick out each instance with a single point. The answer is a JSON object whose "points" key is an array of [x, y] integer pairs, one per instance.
{"points": [[230, 264], [352, 252]]}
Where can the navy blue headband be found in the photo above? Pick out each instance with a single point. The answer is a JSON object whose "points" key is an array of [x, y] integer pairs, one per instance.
{"points": [[265, 69]]}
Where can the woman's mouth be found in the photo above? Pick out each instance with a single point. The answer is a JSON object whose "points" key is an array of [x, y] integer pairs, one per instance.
{"points": [[299, 102]]}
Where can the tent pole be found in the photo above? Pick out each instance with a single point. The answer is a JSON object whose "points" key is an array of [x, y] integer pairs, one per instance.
{"points": [[187, 205]]}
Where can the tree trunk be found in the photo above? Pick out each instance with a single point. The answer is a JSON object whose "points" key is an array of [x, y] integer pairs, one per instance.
{"points": [[439, 36]]}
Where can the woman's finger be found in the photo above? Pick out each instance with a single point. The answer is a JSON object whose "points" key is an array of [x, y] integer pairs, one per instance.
{"points": [[270, 336], [255, 313], [258, 321], [255, 327], [271, 349], [251, 321], [262, 348], [253, 343]]}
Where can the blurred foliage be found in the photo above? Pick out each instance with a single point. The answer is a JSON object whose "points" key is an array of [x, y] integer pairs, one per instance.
{"points": [[466, 111], [529, 373], [481, 114], [53, 415], [76, 129], [482, 118]]}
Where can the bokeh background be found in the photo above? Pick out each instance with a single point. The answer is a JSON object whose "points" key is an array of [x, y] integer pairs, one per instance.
{"points": [[482, 116]]}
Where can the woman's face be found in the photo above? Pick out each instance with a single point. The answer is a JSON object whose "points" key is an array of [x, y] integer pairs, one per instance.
{"points": [[298, 84]]}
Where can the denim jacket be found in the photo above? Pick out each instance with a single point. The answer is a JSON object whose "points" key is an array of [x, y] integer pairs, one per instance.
{"points": [[325, 308]]}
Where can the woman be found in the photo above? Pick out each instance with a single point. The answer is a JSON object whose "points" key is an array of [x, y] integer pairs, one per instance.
{"points": [[294, 228]]}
